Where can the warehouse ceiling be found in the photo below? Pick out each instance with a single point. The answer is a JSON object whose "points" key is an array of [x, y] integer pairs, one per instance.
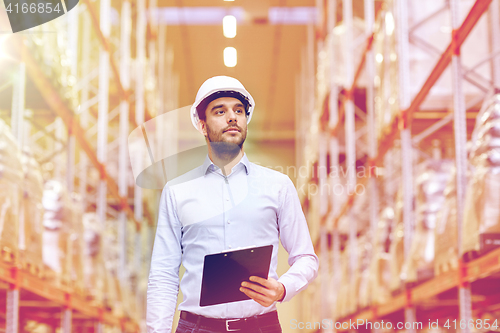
{"points": [[269, 58]]}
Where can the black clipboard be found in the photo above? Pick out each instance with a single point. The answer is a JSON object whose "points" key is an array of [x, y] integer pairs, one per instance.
{"points": [[224, 272]]}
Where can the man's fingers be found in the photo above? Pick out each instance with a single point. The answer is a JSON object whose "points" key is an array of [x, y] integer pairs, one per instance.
{"points": [[263, 291], [252, 294], [260, 280], [257, 288], [259, 298]]}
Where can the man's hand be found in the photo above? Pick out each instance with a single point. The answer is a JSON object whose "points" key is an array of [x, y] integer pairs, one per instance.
{"points": [[265, 292]]}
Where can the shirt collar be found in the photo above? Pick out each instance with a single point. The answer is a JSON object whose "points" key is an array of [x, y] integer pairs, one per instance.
{"points": [[209, 164]]}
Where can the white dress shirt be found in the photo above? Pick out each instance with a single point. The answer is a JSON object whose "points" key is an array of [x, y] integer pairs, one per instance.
{"points": [[204, 212]]}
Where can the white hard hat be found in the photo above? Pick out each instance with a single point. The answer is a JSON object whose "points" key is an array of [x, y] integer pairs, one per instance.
{"points": [[216, 84]]}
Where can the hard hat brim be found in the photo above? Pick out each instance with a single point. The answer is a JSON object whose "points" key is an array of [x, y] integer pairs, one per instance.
{"points": [[194, 112]]}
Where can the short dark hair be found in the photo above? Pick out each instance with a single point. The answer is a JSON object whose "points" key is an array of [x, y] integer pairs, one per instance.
{"points": [[202, 107]]}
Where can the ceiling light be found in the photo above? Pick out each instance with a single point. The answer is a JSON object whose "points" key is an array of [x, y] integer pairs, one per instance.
{"points": [[230, 57], [229, 26], [389, 23]]}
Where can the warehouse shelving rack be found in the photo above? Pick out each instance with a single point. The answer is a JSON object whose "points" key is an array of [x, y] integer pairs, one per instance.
{"points": [[468, 273], [332, 209], [111, 192], [55, 301]]}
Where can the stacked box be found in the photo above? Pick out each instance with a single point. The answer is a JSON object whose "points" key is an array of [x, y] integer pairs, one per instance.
{"points": [[343, 298], [138, 275], [362, 279], [76, 245], [446, 231], [110, 294], [54, 59], [93, 265], [11, 182], [111, 257], [359, 213], [481, 227], [57, 222], [380, 263], [386, 86], [430, 198], [31, 216], [119, 308], [129, 302], [131, 247], [397, 245]]}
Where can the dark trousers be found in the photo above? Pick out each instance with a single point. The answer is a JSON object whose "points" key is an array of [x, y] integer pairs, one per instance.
{"points": [[271, 325]]}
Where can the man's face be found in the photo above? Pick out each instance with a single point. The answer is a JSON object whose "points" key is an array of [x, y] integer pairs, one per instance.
{"points": [[225, 121]]}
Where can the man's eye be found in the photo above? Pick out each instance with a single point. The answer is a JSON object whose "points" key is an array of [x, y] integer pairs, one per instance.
{"points": [[239, 111], [219, 112]]}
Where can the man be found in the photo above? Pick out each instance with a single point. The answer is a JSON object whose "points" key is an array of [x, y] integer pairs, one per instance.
{"points": [[226, 203]]}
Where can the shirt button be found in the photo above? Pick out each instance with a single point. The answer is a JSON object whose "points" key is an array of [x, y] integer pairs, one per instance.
{"points": [[228, 222], [229, 246], [227, 199]]}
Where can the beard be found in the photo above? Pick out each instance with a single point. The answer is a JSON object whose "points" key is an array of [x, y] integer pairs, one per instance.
{"points": [[223, 147]]}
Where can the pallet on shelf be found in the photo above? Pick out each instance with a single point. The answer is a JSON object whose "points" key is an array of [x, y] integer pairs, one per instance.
{"points": [[482, 267], [34, 268]]}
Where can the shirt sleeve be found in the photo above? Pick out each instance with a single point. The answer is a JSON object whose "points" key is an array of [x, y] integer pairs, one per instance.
{"points": [[163, 282], [296, 240]]}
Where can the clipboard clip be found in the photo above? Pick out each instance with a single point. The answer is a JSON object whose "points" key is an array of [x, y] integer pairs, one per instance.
{"points": [[238, 248]]}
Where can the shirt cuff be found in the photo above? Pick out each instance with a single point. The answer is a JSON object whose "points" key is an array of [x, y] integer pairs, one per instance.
{"points": [[288, 285], [284, 293]]}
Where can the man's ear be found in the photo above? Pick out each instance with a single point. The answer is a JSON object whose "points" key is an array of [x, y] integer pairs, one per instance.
{"points": [[202, 127]]}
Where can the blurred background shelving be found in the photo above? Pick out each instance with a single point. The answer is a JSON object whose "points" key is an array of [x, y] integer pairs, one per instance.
{"points": [[71, 93], [384, 113], [408, 103]]}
